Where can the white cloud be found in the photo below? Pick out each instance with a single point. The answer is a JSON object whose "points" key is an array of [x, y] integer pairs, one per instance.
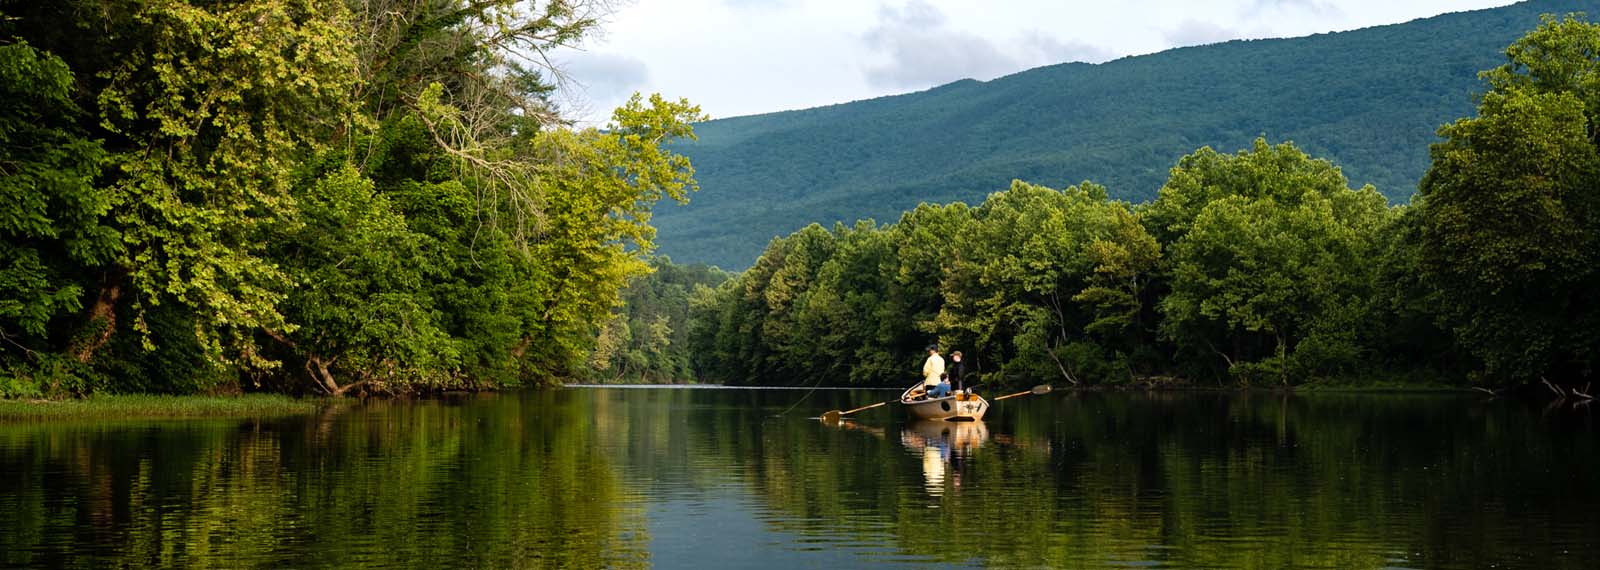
{"points": [[599, 82], [922, 50], [1195, 32], [1053, 49]]}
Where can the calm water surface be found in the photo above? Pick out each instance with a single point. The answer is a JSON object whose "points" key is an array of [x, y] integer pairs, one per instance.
{"points": [[680, 478]]}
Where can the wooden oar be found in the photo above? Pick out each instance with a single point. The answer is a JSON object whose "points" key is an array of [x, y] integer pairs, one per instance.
{"points": [[833, 416], [1039, 390]]}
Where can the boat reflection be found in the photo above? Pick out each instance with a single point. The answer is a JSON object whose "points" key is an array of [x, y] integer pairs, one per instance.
{"points": [[944, 448]]}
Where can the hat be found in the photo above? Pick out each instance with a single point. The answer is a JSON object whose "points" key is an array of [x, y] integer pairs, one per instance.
{"points": [[933, 347]]}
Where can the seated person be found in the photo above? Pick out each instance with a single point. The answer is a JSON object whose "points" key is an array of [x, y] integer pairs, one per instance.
{"points": [[942, 389]]}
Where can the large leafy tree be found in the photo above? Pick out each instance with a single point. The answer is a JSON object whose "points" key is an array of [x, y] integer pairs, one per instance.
{"points": [[1267, 262], [1508, 216], [359, 305]]}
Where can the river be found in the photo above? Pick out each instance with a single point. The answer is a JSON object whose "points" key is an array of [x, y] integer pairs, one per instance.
{"points": [[724, 478]]}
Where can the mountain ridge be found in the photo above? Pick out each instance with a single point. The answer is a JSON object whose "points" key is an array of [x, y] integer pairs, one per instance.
{"points": [[1344, 96]]}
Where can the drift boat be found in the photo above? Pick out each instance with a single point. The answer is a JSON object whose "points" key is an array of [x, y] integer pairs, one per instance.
{"points": [[957, 407]]}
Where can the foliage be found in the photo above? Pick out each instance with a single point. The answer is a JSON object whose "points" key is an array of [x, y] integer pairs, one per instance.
{"points": [[1508, 220], [1263, 253], [1266, 262], [53, 234], [311, 196], [647, 342], [1004, 282]]}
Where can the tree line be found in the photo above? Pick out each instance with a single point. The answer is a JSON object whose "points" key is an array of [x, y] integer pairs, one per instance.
{"points": [[1262, 267], [647, 339], [314, 196]]}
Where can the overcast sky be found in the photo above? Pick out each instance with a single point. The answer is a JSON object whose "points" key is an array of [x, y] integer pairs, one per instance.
{"points": [[742, 57]]}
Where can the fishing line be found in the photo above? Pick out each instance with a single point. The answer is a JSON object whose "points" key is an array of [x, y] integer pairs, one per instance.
{"points": [[802, 398]]}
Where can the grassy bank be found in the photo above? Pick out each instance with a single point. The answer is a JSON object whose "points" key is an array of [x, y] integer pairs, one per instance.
{"points": [[156, 407]]}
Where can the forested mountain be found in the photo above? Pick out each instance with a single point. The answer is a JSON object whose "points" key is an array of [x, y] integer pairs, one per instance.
{"points": [[1369, 100]]}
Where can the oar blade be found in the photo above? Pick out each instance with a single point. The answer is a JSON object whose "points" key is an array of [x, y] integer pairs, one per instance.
{"points": [[1039, 390], [831, 416]]}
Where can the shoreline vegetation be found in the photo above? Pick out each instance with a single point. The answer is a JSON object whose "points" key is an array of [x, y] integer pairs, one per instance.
{"points": [[148, 407]]}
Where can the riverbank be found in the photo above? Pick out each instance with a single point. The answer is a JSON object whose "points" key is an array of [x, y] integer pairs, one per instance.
{"points": [[157, 407]]}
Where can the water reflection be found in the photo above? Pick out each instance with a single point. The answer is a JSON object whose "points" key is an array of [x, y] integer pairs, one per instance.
{"points": [[455, 483], [593, 478], [943, 445]]}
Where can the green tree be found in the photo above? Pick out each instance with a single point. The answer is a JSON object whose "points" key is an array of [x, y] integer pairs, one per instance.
{"points": [[53, 232], [1268, 263], [649, 338], [358, 303], [599, 187], [1508, 220], [207, 139], [856, 332], [1269, 267], [1119, 293], [928, 257]]}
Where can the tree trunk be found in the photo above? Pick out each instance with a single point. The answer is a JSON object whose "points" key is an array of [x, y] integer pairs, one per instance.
{"points": [[317, 368], [1064, 373], [1283, 358], [102, 318], [319, 373]]}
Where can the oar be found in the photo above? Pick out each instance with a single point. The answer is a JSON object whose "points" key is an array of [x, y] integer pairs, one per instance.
{"points": [[1039, 390], [832, 416]]}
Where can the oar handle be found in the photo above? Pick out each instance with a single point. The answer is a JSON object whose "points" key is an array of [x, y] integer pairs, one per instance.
{"points": [[1013, 395], [866, 407]]}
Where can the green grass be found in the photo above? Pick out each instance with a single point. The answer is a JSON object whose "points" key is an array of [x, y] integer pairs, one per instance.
{"points": [[156, 407]]}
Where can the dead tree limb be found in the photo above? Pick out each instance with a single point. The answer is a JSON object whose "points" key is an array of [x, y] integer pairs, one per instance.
{"points": [[1553, 387]]}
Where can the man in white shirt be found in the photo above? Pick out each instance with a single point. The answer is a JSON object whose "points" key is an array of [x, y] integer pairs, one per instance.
{"points": [[932, 369]]}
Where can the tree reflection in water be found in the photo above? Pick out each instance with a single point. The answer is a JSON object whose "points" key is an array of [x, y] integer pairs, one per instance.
{"points": [[592, 478]]}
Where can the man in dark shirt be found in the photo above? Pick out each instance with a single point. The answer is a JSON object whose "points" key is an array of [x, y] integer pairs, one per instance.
{"points": [[957, 370]]}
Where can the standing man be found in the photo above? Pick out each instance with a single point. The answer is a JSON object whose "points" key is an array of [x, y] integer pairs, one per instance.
{"points": [[958, 371], [932, 368]]}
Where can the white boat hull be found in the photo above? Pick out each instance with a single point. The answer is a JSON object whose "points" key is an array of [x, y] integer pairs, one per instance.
{"points": [[952, 408]]}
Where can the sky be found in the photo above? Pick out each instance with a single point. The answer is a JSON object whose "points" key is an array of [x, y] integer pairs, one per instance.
{"points": [[743, 57]]}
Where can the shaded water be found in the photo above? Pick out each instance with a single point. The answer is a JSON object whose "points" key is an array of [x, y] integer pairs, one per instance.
{"points": [[678, 478]]}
